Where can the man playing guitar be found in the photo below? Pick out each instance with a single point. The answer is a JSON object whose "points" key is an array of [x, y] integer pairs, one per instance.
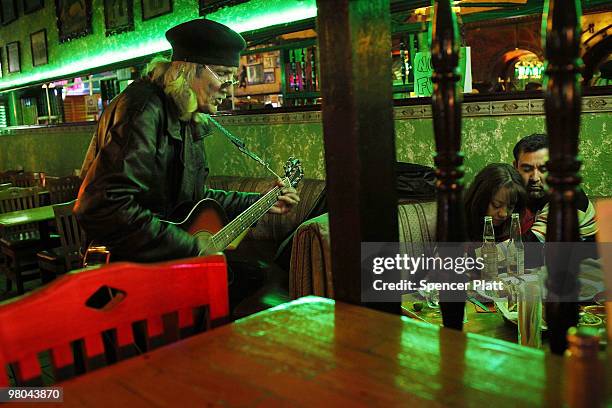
{"points": [[147, 155]]}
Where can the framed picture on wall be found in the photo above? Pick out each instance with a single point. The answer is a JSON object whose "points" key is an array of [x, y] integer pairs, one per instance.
{"points": [[253, 59], [155, 8], [118, 16], [255, 74], [12, 57], [8, 11], [210, 6], [73, 18], [269, 77], [30, 6], [38, 44], [269, 61]]}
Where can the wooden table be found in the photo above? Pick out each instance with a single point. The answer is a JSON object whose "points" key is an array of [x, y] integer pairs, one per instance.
{"points": [[37, 214], [491, 324], [315, 352]]}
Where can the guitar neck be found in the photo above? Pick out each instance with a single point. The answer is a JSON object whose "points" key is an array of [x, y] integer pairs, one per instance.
{"points": [[247, 218]]}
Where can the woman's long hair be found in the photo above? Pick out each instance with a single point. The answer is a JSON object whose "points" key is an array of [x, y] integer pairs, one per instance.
{"points": [[482, 190], [175, 78]]}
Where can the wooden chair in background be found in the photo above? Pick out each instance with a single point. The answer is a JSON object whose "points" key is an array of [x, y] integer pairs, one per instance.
{"points": [[68, 256], [62, 189], [94, 317], [19, 244], [29, 179], [7, 176]]}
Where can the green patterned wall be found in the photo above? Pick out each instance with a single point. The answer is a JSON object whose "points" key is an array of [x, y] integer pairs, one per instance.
{"points": [[59, 150], [491, 139], [486, 139], [89, 46], [96, 49]]}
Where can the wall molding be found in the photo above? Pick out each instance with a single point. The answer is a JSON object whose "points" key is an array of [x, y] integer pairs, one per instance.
{"points": [[590, 104]]}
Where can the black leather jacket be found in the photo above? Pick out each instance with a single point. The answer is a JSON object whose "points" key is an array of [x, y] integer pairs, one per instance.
{"points": [[141, 164]]}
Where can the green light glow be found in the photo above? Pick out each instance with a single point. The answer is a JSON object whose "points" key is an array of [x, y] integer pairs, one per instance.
{"points": [[75, 58], [252, 16], [105, 58]]}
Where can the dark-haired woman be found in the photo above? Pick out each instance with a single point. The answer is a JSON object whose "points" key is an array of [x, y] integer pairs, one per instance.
{"points": [[498, 191]]}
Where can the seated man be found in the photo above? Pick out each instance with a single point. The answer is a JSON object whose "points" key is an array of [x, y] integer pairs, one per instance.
{"points": [[147, 155], [530, 159]]}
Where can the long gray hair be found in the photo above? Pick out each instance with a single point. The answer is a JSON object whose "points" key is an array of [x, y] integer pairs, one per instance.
{"points": [[175, 78]]}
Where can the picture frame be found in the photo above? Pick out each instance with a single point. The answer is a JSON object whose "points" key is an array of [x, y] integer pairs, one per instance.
{"points": [[30, 6], [253, 59], [13, 58], [155, 8], [73, 19], [8, 11], [38, 45], [269, 77], [269, 61], [118, 16], [210, 6], [255, 74]]}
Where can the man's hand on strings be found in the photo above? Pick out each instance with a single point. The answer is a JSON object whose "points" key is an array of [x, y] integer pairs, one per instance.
{"points": [[286, 200]]}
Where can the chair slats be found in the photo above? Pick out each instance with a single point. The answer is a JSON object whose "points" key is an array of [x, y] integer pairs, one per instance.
{"points": [[155, 326], [27, 368], [185, 318], [63, 189], [72, 237], [61, 355], [18, 257], [68, 317], [94, 345], [125, 335]]}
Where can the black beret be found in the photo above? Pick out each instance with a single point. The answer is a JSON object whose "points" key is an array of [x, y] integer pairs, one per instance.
{"points": [[205, 42]]}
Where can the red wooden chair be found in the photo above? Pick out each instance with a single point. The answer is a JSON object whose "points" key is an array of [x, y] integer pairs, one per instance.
{"points": [[93, 317]]}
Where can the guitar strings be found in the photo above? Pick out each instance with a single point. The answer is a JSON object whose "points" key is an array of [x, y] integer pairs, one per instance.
{"points": [[241, 221]]}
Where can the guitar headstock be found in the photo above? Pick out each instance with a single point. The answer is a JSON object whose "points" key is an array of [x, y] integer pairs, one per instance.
{"points": [[293, 171]]}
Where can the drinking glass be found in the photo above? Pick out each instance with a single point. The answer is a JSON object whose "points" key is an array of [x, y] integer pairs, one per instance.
{"points": [[530, 314]]}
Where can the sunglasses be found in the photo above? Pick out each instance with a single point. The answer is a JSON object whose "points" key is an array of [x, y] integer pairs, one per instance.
{"points": [[224, 83]]}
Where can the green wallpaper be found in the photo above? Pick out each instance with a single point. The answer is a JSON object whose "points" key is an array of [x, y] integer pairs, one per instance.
{"points": [[274, 144], [491, 139], [56, 151], [60, 150], [486, 139]]}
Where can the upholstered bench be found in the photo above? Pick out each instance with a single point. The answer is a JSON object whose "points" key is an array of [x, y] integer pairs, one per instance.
{"points": [[257, 253], [310, 272], [264, 239]]}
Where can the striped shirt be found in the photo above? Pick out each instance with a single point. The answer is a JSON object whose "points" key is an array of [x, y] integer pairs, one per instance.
{"points": [[587, 224]]}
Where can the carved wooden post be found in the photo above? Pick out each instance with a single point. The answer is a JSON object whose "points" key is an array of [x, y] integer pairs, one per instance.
{"points": [[446, 104], [354, 46], [563, 105]]}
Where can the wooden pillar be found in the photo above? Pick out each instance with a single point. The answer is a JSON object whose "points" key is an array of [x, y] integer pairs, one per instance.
{"points": [[446, 105], [562, 102], [355, 56]]}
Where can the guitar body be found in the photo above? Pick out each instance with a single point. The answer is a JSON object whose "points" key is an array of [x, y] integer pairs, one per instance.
{"points": [[207, 220], [202, 220]]}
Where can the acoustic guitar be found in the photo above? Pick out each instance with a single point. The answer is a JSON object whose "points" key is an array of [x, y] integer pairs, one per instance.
{"points": [[207, 221]]}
